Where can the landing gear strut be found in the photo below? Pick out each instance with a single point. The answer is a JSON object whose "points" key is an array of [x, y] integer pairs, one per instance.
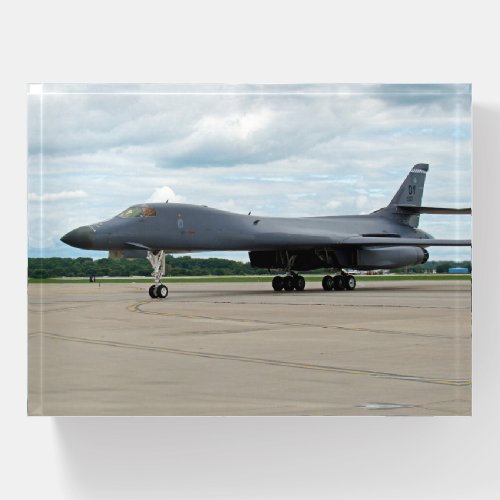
{"points": [[157, 261]]}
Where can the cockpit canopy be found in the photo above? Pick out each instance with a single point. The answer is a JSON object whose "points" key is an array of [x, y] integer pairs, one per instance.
{"points": [[138, 211]]}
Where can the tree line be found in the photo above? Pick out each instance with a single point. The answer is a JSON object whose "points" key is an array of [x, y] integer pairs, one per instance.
{"points": [[56, 267]]}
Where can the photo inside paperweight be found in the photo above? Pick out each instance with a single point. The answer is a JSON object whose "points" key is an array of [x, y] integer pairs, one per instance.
{"points": [[249, 249]]}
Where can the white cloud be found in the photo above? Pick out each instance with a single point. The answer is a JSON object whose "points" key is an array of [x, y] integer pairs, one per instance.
{"points": [[164, 194], [234, 126], [333, 204], [227, 205], [62, 195]]}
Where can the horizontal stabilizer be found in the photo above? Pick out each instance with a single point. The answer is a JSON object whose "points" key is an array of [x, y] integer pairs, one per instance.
{"points": [[412, 209], [420, 242]]}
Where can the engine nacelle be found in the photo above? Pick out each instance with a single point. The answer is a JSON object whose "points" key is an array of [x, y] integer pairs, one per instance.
{"points": [[367, 258], [390, 257]]}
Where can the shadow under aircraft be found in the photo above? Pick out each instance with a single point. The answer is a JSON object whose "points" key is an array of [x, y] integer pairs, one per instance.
{"points": [[385, 239]]}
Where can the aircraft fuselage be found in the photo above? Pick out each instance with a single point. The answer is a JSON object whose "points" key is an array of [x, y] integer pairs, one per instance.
{"points": [[191, 228]]}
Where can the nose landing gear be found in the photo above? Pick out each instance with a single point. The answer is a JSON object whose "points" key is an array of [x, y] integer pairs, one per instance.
{"points": [[157, 261], [159, 291]]}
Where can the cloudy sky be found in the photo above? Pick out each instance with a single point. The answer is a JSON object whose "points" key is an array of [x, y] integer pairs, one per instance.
{"points": [[284, 150]]}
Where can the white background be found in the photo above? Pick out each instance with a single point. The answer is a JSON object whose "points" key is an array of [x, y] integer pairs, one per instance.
{"points": [[263, 42]]}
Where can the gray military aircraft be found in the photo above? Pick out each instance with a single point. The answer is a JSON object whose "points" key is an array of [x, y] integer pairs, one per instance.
{"points": [[385, 239]]}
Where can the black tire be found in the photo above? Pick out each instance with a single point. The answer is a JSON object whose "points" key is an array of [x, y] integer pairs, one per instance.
{"points": [[338, 283], [300, 283], [327, 283], [288, 283], [162, 292], [152, 291], [349, 282], [277, 283]]}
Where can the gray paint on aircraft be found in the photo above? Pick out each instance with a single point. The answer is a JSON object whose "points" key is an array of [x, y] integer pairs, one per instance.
{"points": [[177, 228]]}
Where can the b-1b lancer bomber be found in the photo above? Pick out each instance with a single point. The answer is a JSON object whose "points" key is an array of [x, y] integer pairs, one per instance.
{"points": [[385, 239]]}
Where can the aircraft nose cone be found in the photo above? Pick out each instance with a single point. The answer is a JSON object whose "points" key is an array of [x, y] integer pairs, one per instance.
{"points": [[82, 237]]}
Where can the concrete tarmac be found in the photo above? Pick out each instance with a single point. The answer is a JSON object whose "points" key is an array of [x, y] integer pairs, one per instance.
{"points": [[386, 348]]}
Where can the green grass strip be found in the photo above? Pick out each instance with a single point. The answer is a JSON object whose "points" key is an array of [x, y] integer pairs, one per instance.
{"points": [[253, 279]]}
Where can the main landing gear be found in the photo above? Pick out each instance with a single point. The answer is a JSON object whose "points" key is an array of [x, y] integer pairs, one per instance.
{"points": [[289, 282], [341, 281], [157, 261], [294, 281]]}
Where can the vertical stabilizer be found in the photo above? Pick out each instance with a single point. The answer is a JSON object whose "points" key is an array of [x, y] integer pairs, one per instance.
{"points": [[412, 189], [409, 194]]}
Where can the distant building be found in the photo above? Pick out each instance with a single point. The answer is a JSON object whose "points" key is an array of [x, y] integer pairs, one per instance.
{"points": [[458, 270]]}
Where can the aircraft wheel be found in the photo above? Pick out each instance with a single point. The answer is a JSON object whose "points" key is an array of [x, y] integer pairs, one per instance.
{"points": [[338, 283], [152, 291], [278, 283], [349, 282], [327, 283], [162, 292], [288, 283], [300, 283]]}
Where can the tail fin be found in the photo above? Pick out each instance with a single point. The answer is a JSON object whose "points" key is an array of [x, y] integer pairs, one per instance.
{"points": [[412, 189], [409, 194]]}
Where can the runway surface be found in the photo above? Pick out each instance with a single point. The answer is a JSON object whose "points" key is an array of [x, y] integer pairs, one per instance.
{"points": [[386, 348]]}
